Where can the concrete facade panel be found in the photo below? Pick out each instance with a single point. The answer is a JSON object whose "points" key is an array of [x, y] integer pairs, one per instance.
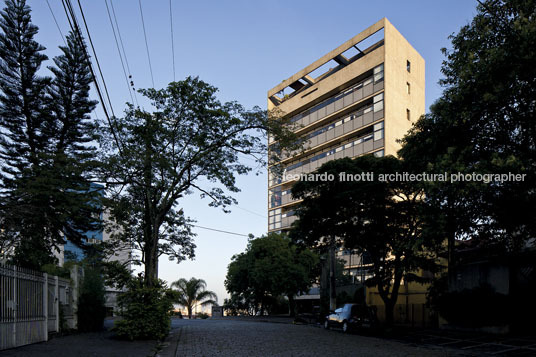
{"points": [[339, 104], [368, 90], [358, 95], [358, 149], [368, 146], [339, 131], [348, 126], [330, 134], [368, 118], [358, 122], [378, 115], [378, 144]]}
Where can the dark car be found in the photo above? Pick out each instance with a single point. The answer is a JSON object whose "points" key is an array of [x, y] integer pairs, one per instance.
{"points": [[352, 317]]}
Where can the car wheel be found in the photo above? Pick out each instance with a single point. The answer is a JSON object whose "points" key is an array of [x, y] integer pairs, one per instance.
{"points": [[345, 327], [326, 325]]}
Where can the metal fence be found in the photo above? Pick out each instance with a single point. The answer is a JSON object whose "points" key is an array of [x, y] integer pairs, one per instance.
{"points": [[30, 305]]}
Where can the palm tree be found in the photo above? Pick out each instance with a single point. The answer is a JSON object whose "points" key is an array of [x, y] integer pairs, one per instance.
{"points": [[191, 292]]}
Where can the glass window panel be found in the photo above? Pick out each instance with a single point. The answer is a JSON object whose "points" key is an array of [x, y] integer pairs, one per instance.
{"points": [[378, 97], [378, 126], [378, 106], [378, 69], [378, 134]]}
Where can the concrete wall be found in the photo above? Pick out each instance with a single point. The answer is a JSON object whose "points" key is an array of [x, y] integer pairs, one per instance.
{"points": [[397, 100]]}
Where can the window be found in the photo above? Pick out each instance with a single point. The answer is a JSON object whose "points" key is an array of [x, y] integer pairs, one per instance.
{"points": [[408, 66], [408, 114], [408, 88], [378, 73]]}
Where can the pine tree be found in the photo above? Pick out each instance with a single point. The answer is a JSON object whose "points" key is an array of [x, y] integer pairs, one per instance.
{"points": [[46, 142], [76, 201], [23, 122]]}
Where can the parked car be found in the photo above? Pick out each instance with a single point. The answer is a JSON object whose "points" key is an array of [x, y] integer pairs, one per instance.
{"points": [[352, 317]]}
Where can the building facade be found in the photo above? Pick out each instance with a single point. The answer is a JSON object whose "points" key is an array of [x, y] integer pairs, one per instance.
{"points": [[358, 99]]}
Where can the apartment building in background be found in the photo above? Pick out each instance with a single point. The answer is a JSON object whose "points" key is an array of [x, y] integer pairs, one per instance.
{"points": [[356, 100]]}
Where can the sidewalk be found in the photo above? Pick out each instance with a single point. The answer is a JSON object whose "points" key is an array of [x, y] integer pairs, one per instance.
{"points": [[85, 344]]}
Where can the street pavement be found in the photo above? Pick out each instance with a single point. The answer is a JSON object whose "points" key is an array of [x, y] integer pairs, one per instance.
{"points": [[239, 337], [271, 336]]}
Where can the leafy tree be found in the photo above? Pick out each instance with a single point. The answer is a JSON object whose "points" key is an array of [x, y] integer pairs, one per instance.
{"points": [[44, 142], [191, 142], [270, 267], [191, 292], [378, 217], [483, 123]]}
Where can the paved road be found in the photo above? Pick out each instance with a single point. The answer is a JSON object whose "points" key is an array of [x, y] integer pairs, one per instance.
{"points": [[228, 337]]}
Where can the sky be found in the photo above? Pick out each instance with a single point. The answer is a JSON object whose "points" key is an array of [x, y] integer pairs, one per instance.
{"points": [[244, 48]]}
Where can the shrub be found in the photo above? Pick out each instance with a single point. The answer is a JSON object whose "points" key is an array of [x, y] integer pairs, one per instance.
{"points": [[146, 310], [91, 310], [203, 315]]}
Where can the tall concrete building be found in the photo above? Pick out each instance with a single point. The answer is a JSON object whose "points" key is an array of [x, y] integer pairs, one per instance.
{"points": [[358, 99]]}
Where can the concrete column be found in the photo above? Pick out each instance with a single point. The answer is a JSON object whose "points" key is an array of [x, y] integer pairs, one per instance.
{"points": [[76, 288], [45, 304], [57, 303]]}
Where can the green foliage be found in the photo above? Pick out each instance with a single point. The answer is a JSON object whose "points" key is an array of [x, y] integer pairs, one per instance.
{"points": [[146, 310], [477, 307], [188, 143], [271, 266], [238, 305], [53, 269], [45, 143], [191, 292], [483, 123], [91, 310], [380, 218]]}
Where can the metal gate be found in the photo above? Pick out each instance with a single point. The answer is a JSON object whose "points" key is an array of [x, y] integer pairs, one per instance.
{"points": [[29, 305]]}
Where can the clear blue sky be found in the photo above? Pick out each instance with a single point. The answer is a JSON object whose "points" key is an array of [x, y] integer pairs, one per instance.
{"points": [[244, 48]]}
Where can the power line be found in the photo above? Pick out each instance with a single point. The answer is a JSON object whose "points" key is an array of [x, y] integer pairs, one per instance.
{"points": [[69, 12], [221, 231], [119, 51], [57, 25], [172, 39], [124, 52], [255, 213], [94, 54], [146, 44]]}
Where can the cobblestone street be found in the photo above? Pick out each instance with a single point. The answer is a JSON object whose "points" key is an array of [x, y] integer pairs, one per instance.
{"points": [[229, 337]]}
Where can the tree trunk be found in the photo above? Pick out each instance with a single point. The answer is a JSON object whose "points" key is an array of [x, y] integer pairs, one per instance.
{"points": [[189, 312], [292, 305], [332, 279], [389, 312]]}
